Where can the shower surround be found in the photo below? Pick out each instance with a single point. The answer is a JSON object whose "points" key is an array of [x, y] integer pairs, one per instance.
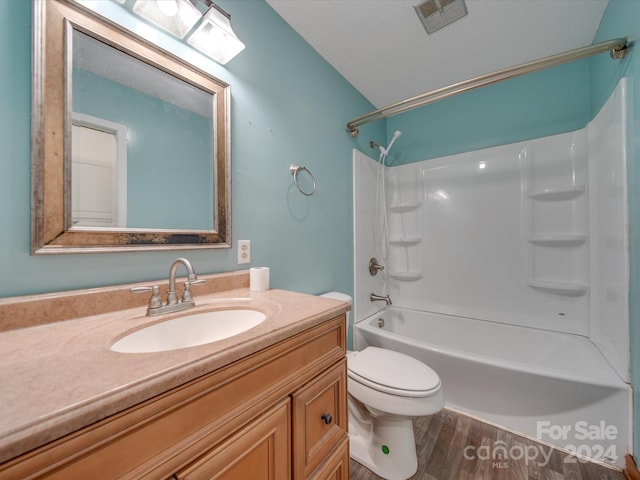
{"points": [[517, 256]]}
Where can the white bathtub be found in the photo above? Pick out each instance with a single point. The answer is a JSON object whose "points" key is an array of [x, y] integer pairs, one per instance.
{"points": [[551, 386]]}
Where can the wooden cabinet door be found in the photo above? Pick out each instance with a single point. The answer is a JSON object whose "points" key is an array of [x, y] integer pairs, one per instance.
{"points": [[319, 419], [258, 451], [337, 465]]}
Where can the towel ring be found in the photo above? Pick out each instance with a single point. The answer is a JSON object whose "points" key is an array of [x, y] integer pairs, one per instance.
{"points": [[295, 170]]}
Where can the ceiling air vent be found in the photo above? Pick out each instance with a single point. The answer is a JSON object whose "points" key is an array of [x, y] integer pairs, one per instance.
{"points": [[435, 14]]}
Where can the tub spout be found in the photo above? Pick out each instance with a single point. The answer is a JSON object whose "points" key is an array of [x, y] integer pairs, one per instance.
{"points": [[380, 298]]}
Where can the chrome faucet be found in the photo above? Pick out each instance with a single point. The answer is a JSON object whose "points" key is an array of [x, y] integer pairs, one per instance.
{"points": [[172, 296], [173, 305], [380, 298]]}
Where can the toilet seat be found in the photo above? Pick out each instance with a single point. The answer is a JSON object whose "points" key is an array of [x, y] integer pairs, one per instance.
{"points": [[392, 372]]}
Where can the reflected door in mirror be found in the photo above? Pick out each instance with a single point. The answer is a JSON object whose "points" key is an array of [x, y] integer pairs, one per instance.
{"points": [[99, 173]]}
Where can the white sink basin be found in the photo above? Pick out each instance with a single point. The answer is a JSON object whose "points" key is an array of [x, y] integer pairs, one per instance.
{"points": [[189, 331]]}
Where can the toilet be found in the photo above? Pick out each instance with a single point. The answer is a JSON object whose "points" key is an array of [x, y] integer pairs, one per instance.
{"points": [[386, 390]]}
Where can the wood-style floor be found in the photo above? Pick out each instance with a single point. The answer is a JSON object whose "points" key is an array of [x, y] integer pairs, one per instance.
{"points": [[441, 440]]}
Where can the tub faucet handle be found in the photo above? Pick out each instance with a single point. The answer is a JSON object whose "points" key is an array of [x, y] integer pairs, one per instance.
{"points": [[374, 266]]}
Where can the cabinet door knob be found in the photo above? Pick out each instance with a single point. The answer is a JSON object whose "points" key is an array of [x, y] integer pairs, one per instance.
{"points": [[327, 418]]}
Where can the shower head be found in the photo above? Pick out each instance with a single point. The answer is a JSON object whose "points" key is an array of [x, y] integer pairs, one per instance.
{"points": [[396, 134]]}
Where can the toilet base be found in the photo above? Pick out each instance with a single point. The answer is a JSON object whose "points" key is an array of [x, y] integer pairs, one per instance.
{"points": [[385, 445]]}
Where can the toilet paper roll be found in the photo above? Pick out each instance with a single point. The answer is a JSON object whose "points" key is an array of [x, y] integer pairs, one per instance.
{"points": [[259, 279]]}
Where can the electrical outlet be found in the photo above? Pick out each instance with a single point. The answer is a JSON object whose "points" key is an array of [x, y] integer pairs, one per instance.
{"points": [[244, 251]]}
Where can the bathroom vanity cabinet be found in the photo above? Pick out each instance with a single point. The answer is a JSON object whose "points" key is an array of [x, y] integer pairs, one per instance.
{"points": [[279, 413]]}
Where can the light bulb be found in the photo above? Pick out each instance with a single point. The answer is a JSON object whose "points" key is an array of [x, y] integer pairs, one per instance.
{"points": [[168, 7]]}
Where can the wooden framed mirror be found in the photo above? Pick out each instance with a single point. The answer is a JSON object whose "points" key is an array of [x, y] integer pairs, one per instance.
{"points": [[130, 144]]}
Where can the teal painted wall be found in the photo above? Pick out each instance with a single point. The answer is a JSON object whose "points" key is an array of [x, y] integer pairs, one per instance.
{"points": [[288, 106], [547, 102], [622, 18]]}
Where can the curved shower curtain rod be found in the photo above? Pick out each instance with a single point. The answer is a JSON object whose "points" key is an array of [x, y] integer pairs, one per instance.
{"points": [[618, 48]]}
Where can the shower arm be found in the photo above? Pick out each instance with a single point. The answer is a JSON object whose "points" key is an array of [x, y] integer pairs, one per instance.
{"points": [[618, 49]]}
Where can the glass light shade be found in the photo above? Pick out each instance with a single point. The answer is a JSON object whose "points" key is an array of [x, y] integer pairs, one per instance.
{"points": [[215, 38], [175, 16]]}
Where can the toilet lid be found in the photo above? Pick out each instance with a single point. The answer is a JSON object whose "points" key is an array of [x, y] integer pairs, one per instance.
{"points": [[392, 372]]}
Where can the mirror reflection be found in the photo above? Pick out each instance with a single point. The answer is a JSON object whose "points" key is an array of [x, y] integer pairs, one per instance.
{"points": [[142, 144]]}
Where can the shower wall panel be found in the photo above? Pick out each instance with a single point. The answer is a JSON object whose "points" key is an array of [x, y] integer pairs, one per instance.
{"points": [[476, 258], [609, 241], [365, 172]]}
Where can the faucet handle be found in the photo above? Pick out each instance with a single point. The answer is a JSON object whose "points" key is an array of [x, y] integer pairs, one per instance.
{"points": [[187, 296], [155, 301], [140, 289]]}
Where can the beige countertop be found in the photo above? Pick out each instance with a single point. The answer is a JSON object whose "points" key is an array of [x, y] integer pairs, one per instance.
{"points": [[59, 377]]}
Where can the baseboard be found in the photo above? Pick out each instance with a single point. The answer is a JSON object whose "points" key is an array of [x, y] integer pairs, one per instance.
{"points": [[631, 471]]}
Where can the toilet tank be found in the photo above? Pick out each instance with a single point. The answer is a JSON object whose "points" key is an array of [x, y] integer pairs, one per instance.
{"points": [[339, 296]]}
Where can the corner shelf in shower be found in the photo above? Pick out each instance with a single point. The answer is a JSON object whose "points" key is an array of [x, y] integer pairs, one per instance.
{"points": [[568, 289], [404, 206], [558, 194], [405, 241], [405, 276], [558, 240]]}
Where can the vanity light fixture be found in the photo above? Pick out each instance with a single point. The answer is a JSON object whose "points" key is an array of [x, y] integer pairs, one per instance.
{"points": [[435, 14], [214, 36], [175, 16]]}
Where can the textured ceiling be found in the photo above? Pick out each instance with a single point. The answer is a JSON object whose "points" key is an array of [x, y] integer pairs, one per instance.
{"points": [[382, 49]]}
